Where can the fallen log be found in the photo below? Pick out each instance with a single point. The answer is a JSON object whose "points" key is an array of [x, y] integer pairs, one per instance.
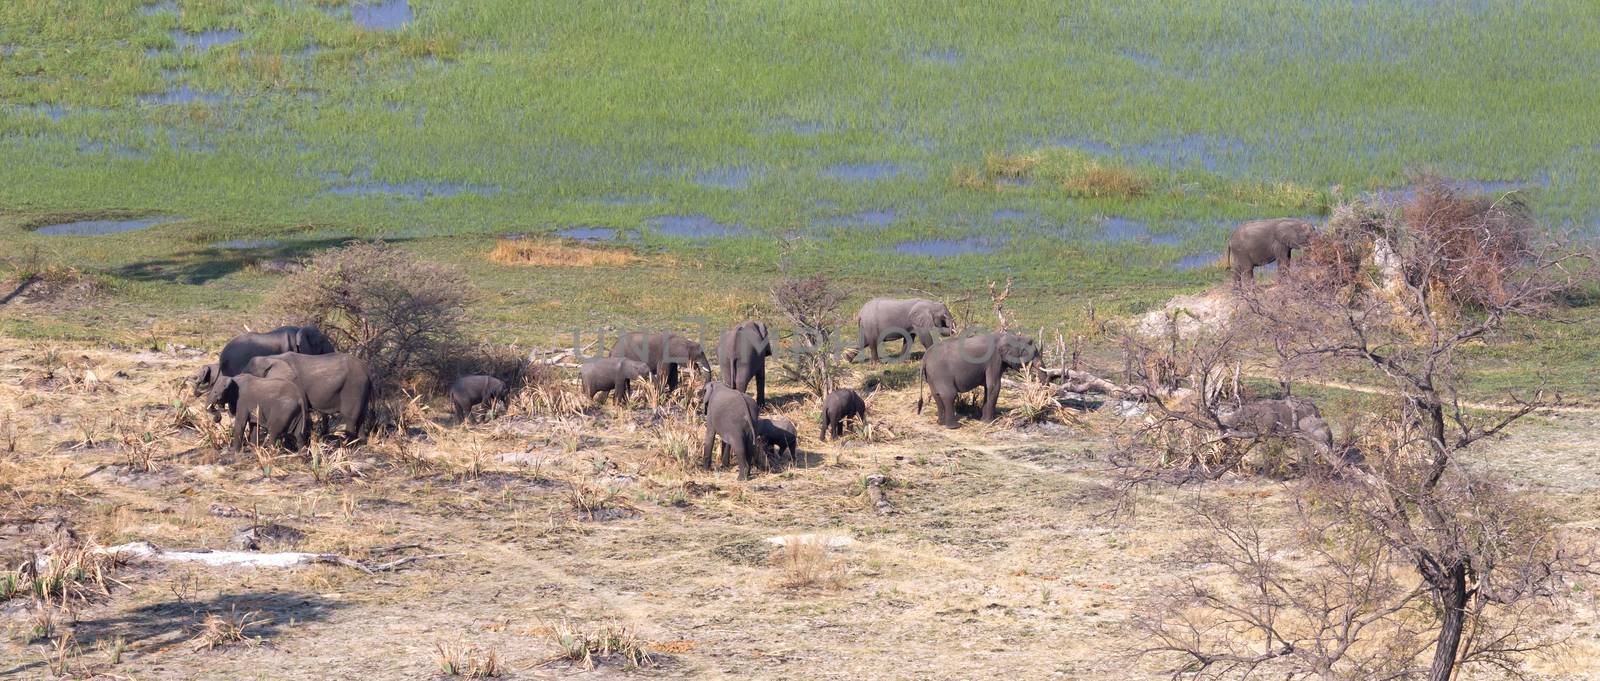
{"points": [[880, 499], [145, 551]]}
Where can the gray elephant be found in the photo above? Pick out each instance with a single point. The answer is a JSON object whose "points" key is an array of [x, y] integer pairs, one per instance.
{"points": [[777, 435], [883, 319], [742, 354], [663, 353], [306, 340], [1290, 417], [201, 380], [960, 365], [335, 385], [611, 374], [1260, 242], [273, 404], [468, 392], [731, 415], [839, 405]]}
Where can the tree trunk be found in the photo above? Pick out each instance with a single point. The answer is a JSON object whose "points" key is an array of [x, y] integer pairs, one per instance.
{"points": [[1453, 599]]}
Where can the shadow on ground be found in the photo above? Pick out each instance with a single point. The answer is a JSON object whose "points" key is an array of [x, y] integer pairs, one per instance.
{"points": [[202, 265]]}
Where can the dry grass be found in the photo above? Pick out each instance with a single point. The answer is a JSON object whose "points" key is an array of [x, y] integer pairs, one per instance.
{"points": [[609, 643], [1012, 166], [217, 630], [468, 661], [529, 252], [676, 439], [73, 572], [545, 391], [1101, 180], [804, 563], [592, 502]]}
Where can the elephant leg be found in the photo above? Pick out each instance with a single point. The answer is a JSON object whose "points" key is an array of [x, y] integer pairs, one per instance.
{"points": [[826, 425], [238, 432], [461, 413], [947, 410], [672, 377], [991, 395], [1283, 263], [705, 450], [726, 460], [871, 344], [740, 450], [761, 389]]}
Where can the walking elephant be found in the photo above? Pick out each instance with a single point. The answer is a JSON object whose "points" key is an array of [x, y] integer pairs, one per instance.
{"points": [[612, 374], [841, 404], [731, 415], [883, 319], [742, 354], [306, 340], [335, 385], [663, 353], [468, 392], [1260, 242], [273, 404], [957, 366]]}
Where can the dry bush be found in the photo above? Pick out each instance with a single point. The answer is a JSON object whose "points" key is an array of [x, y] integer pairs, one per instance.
{"points": [[545, 391], [676, 441], [468, 661], [1344, 248], [805, 563], [482, 358], [1010, 166], [556, 254], [969, 178], [1475, 241], [1096, 179], [399, 313], [71, 572], [592, 502], [811, 304], [217, 630], [609, 643]]}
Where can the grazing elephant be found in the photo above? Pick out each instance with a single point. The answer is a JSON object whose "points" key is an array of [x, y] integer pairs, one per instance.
{"points": [[958, 366], [883, 319], [1286, 417], [613, 374], [731, 415], [778, 435], [470, 391], [1260, 242], [334, 384], [663, 353], [839, 405], [200, 381], [742, 353], [275, 404], [306, 340]]}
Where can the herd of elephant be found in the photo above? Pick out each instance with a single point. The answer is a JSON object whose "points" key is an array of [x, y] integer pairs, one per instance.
{"points": [[276, 382]]}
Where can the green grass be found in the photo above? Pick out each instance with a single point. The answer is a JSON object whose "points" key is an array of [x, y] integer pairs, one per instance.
{"points": [[1228, 110]]}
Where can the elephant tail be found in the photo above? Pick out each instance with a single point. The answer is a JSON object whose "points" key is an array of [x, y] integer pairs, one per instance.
{"points": [[920, 385]]}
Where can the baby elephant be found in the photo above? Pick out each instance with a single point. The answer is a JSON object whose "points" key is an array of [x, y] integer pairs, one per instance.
{"points": [[1287, 417], [840, 405], [777, 435], [271, 403], [611, 374], [731, 416], [470, 391]]}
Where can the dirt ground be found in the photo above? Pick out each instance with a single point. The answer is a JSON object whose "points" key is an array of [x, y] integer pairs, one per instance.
{"points": [[1001, 559]]}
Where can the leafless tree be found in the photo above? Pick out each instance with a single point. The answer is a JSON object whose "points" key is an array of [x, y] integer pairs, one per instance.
{"points": [[811, 304], [1453, 271]]}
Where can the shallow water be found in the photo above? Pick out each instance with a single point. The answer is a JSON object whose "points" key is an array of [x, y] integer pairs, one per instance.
{"points": [[693, 226], [183, 94], [736, 177], [943, 248], [943, 55], [1005, 214], [55, 112], [247, 244], [157, 8], [588, 233], [382, 16], [100, 227], [206, 40], [861, 172], [415, 189], [1118, 229], [1196, 261]]}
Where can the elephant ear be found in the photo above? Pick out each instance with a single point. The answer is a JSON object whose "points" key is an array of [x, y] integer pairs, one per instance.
{"points": [[297, 340], [921, 318]]}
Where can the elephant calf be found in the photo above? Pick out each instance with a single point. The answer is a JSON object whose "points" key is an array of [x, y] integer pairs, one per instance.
{"points": [[839, 405], [271, 403], [1260, 242], [470, 391], [201, 380], [955, 367], [778, 435], [1286, 417], [664, 353], [731, 415], [611, 374]]}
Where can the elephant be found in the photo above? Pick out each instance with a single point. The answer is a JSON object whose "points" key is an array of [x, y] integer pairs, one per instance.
{"points": [[276, 404], [611, 373], [201, 380], [1285, 417], [306, 340], [470, 391], [882, 319], [1260, 242], [334, 384], [960, 365], [839, 405], [663, 353], [742, 354], [731, 415], [777, 434]]}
